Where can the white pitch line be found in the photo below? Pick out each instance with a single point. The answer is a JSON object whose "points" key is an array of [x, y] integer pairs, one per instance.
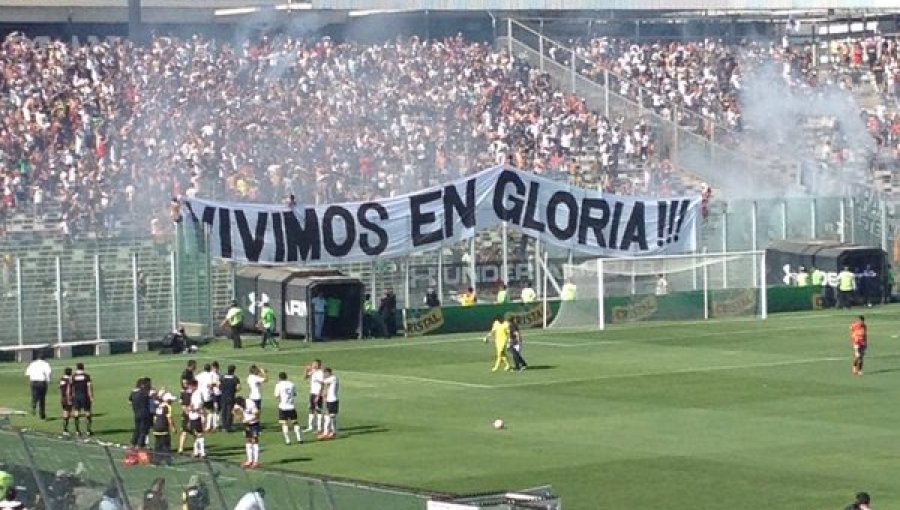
{"points": [[446, 382], [576, 344], [695, 370]]}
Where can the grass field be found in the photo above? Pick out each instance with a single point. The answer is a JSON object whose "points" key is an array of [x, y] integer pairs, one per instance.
{"points": [[737, 415]]}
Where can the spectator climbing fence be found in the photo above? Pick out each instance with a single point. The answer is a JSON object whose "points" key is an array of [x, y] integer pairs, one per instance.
{"points": [[66, 474]]}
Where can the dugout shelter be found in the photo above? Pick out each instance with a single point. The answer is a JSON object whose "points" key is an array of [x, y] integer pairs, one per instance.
{"points": [[290, 291], [829, 256]]}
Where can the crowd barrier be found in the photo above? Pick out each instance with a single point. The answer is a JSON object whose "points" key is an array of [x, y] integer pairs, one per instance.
{"points": [[68, 474]]}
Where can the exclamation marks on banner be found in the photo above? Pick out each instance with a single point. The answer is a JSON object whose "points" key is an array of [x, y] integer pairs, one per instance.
{"points": [[681, 213], [667, 228]]}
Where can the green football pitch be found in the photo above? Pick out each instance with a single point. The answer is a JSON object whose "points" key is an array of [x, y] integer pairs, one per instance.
{"points": [[743, 414]]}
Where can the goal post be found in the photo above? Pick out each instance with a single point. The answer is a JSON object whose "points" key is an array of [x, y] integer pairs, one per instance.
{"points": [[694, 287]]}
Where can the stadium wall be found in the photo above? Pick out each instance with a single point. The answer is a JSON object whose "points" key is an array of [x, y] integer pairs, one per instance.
{"points": [[677, 306]]}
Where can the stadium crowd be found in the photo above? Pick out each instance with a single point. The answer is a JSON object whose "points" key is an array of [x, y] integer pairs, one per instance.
{"points": [[98, 130], [111, 127]]}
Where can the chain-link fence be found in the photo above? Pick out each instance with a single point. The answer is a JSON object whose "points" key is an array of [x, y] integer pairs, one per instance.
{"points": [[55, 474], [127, 291]]}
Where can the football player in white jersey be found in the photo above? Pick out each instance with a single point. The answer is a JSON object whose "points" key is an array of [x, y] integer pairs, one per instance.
{"points": [[246, 410], [315, 375], [254, 384], [195, 420], [205, 388], [286, 395], [331, 404]]}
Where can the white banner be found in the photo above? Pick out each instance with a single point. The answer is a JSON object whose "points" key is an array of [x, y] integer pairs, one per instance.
{"points": [[581, 220]]}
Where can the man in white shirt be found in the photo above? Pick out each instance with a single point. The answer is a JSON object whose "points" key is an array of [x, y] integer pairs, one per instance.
{"points": [[331, 404], [316, 377], [38, 374], [286, 395], [252, 500], [528, 294], [254, 384]]}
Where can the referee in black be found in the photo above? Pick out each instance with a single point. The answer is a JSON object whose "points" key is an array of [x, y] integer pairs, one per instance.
{"points": [[38, 374], [229, 385]]}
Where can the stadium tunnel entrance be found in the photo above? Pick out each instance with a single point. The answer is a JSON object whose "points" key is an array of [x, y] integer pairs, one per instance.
{"points": [[290, 293]]}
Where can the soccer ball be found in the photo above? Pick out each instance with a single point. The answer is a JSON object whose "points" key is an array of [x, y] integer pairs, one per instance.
{"points": [[498, 424]]}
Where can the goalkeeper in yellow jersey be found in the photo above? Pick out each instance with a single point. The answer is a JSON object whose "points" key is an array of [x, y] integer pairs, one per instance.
{"points": [[500, 333]]}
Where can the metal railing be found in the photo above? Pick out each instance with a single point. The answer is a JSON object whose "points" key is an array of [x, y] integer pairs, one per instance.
{"points": [[66, 474], [691, 141]]}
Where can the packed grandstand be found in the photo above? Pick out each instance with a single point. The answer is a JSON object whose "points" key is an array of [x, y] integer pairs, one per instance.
{"points": [[92, 132]]}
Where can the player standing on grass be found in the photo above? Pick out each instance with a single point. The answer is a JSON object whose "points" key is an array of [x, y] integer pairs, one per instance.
{"points": [[514, 350], [316, 377], [82, 398], [500, 333], [331, 404], [185, 400], [267, 323], [65, 398], [254, 382], [286, 395], [859, 340], [195, 421], [204, 387], [162, 430], [250, 415]]}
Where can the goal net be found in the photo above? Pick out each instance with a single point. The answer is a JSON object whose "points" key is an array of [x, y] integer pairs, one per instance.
{"points": [[598, 292]]}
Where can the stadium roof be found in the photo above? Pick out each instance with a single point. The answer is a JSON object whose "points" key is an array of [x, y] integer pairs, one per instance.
{"points": [[234, 11]]}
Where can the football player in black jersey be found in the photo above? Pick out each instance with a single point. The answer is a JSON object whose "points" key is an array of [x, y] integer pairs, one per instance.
{"points": [[82, 398], [65, 398]]}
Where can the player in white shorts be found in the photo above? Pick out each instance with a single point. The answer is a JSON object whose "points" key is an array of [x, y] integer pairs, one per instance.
{"points": [[204, 388], [195, 421], [254, 384], [332, 386], [246, 410], [286, 396], [315, 375]]}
